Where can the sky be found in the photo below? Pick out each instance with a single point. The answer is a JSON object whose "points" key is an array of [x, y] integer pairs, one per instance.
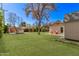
{"points": [[58, 14]]}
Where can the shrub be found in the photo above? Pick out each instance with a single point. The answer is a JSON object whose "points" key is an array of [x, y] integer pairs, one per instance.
{"points": [[5, 29]]}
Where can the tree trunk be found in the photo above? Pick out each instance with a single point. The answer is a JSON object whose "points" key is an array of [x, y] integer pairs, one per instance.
{"points": [[39, 24], [38, 30]]}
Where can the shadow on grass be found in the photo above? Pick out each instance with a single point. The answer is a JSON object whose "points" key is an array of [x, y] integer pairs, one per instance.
{"points": [[2, 45]]}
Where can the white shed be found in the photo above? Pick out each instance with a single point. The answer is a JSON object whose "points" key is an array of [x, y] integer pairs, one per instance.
{"points": [[72, 26]]}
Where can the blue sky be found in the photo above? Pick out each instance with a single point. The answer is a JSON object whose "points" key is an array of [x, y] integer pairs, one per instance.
{"points": [[58, 14]]}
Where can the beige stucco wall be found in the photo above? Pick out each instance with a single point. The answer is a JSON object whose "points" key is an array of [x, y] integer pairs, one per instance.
{"points": [[52, 29], [72, 30]]}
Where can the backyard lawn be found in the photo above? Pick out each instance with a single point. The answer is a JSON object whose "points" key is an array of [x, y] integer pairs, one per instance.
{"points": [[31, 44]]}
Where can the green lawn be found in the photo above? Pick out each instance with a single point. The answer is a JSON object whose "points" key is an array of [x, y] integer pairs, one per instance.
{"points": [[35, 45]]}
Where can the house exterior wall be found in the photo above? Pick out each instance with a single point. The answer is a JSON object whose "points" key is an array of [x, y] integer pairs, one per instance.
{"points": [[54, 29], [72, 30], [11, 30]]}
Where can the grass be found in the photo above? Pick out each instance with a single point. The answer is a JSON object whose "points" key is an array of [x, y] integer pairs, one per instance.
{"points": [[31, 44]]}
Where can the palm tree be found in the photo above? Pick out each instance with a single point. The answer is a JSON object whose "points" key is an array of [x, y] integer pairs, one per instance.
{"points": [[39, 11]]}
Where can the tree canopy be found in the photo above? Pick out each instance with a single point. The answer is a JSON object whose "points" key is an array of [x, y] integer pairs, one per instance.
{"points": [[39, 11]]}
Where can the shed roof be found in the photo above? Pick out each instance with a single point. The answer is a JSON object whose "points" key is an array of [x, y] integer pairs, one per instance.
{"points": [[71, 17]]}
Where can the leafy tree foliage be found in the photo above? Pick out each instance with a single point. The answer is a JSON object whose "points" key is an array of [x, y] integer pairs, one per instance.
{"points": [[39, 11]]}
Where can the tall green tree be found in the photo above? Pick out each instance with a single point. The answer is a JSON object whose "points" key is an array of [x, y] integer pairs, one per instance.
{"points": [[1, 19], [39, 11]]}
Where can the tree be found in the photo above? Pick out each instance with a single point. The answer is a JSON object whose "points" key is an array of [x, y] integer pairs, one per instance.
{"points": [[19, 21], [39, 11], [1, 25], [5, 28], [12, 19]]}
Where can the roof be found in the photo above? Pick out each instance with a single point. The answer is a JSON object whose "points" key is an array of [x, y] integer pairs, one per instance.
{"points": [[57, 23], [71, 17]]}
